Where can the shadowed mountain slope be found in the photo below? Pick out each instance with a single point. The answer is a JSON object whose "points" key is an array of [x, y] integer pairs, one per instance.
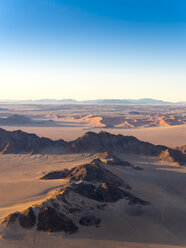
{"points": [[92, 172], [22, 142], [107, 142], [89, 189]]}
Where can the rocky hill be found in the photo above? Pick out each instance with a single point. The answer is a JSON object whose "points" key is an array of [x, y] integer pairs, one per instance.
{"points": [[175, 156], [15, 120], [106, 142], [22, 142], [88, 190], [23, 120], [93, 171]]}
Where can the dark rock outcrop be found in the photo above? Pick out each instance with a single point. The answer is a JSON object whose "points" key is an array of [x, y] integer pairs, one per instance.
{"points": [[90, 220], [27, 218], [96, 182], [10, 219], [175, 156], [56, 175], [102, 193], [92, 172], [106, 193], [113, 160], [51, 220]]}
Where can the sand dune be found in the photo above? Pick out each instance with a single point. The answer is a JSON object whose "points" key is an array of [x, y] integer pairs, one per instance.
{"points": [[95, 121]]}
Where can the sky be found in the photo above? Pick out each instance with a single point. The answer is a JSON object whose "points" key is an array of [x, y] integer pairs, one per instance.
{"points": [[93, 49]]}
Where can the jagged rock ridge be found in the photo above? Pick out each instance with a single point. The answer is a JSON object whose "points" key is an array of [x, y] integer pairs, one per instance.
{"points": [[92, 171], [78, 202], [106, 142], [113, 160]]}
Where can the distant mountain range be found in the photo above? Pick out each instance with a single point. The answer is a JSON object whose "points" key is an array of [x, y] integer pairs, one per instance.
{"points": [[145, 101]]}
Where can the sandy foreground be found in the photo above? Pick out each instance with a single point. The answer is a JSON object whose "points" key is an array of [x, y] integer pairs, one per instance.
{"points": [[49, 242], [162, 224], [170, 136]]}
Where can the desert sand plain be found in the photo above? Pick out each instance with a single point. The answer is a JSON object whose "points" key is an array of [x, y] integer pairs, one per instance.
{"points": [[161, 224]]}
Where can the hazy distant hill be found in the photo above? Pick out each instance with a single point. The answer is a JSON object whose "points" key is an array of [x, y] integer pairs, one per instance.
{"points": [[3, 109], [22, 120], [15, 119], [145, 101], [129, 101]]}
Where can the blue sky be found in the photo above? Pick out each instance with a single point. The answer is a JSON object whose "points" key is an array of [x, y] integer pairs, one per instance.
{"points": [[89, 49]]}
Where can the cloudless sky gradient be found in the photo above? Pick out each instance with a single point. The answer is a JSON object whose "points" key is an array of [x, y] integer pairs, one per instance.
{"points": [[91, 49]]}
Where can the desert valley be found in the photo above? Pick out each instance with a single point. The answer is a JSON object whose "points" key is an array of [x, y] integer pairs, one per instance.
{"points": [[100, 187]]}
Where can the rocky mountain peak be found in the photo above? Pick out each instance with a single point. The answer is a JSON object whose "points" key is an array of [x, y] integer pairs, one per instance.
{"points": [[90, 188]]}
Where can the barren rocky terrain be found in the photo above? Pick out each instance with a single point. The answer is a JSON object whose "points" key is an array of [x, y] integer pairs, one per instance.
{"points": [[101, 188], [115, 178]]}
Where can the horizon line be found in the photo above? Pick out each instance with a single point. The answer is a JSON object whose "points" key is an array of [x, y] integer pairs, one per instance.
{"points": [[90, 100]]}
